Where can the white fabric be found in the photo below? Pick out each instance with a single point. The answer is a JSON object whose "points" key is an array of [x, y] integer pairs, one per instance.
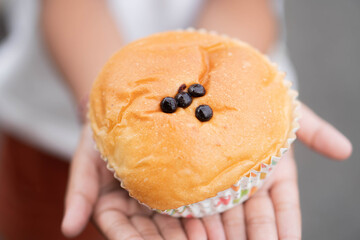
{"points": [[139, 18], [35, 104]]}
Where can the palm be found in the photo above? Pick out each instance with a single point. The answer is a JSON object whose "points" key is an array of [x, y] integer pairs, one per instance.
{"points": [[115, 212], [274, 208]]}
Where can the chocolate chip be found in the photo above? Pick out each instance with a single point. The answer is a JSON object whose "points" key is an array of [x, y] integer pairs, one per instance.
{"points": [[168, 105], [203, 113], [182, 88], [197, 90], [183, 99]]}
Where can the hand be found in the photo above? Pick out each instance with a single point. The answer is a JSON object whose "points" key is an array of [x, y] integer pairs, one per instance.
{"points": [[274, 209]]}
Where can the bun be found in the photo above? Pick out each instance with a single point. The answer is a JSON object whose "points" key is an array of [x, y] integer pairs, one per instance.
{"points": [[171, 160]]}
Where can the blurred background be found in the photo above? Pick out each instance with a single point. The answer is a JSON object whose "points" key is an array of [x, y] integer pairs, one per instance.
{"points": [[323, 39]]}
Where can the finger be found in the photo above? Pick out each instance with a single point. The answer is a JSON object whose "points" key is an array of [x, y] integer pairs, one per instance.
{"points": [[260, 217], [115, 225], [285, 199], [146, 227], [83, 186], [322, 137], [214, 227], [169, 227], [114, 197], [194, 228], [285, 168], [285, 196], [234, 223]]}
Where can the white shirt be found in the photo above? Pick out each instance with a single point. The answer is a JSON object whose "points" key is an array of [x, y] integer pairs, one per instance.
{"points": [[35, 104]]}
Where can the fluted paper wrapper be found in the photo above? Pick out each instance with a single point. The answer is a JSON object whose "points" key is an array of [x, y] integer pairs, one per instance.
{"points": [[247, 185]]}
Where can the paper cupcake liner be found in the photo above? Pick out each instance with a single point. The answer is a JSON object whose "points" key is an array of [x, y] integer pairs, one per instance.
{"points": [[247, 185]]}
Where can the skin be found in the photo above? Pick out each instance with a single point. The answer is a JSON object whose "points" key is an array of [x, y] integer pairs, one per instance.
{"points": [[81, 43], [275, 208]]}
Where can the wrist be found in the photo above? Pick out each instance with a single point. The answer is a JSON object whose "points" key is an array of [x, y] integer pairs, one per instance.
{"points": [[82, 108]]}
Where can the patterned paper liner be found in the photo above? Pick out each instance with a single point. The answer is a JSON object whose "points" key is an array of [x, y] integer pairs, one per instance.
{"points": [[248, 184]]}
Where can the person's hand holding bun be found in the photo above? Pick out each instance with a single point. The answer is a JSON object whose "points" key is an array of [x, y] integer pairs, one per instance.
{"points": [[170, 159], [168, 155]]}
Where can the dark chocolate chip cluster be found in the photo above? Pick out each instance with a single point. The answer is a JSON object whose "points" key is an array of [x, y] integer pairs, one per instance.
{"points": [[184, 99]]}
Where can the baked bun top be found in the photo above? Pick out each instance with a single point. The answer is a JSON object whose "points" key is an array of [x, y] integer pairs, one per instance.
{"points": [[170, 160]]}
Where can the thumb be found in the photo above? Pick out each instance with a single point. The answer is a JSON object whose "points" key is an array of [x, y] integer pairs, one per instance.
{"points": [[322, 137], [83, 186]]}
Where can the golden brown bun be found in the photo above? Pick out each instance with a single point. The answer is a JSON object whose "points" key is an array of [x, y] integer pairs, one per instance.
{"points": [[170, 160]]}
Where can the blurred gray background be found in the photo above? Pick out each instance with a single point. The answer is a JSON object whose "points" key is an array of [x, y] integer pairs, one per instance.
{"points": [[324, 44]]}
